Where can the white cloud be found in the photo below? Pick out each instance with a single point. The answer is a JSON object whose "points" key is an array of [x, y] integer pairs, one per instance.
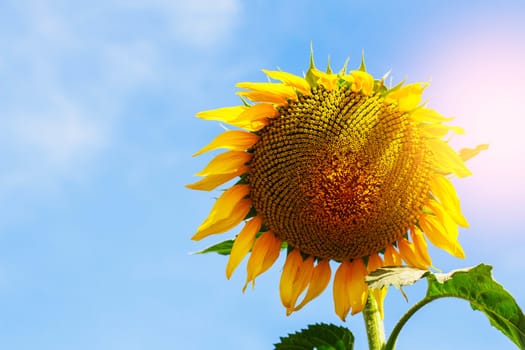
{"points": [[204, 23], [201, 24], [69, 78], [58, 139]]}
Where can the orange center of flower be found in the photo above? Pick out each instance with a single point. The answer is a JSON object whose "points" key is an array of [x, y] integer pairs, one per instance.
{"points": [[339, 175]]}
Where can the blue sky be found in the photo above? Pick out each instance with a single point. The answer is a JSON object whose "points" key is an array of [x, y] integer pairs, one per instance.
{"points": [[97, 128]]}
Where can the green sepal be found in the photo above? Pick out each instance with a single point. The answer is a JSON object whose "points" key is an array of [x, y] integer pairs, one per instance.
{"points": [[362, 66], [345, 67], [328, 66], [222, 248], [320, 336], [310, 76], [225, 247]]}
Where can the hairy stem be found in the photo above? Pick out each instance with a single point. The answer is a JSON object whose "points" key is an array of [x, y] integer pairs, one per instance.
{"points": [[374, 324]]}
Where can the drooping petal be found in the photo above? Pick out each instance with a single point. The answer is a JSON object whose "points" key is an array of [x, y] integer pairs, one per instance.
{"points": [[358, 287], [446, 159], [342, 283], [421, 245], [229, 204], [242, 244], [302, 279], [295, 278], [226, 163], [318, 283], [290, 79], [392, 257], [235, 140], [293, 262], [264, 253], [408, 97], [268, 92], [443, 189], [375, 262], [379, 296], [363, 82], [467, 153], [224, 114], [438, 235], [211, 182], [408, 252]]}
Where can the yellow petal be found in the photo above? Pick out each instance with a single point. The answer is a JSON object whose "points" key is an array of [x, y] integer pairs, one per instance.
{"points": [[290, 269], [408, 97], [235, 140], [391, 256], [349, 78], [225, 224], [437, 234], [374, 262], [358, 288], [446, 159], [250, 125], [291, 80], [421, 245], [363, 82], [242, 244], [342, 283], [226, 205], [258, 113], [328, 80], [448, 223], [294, 279], [226, 163], [318, 283], [467, 153], [427, 115], [264, 253], [443, 190], [301, 281], [224, 114], [408, 252], [438, 130], [268, 92], [210, 182], [379, 296]]}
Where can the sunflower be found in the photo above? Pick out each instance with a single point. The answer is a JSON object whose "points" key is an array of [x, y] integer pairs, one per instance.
{"points": [[335, 169]]}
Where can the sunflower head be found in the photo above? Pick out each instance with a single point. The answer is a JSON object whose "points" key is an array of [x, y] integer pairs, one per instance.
{"points": [[336, 167]]}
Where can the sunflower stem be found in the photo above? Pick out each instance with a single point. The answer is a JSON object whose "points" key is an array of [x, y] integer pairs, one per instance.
{"points": [[391, 343], [374, 324]]}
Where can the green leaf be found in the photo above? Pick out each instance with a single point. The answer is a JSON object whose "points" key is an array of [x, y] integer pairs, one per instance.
{"points": [[319, 336], [484, 294], [223, 248]]}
